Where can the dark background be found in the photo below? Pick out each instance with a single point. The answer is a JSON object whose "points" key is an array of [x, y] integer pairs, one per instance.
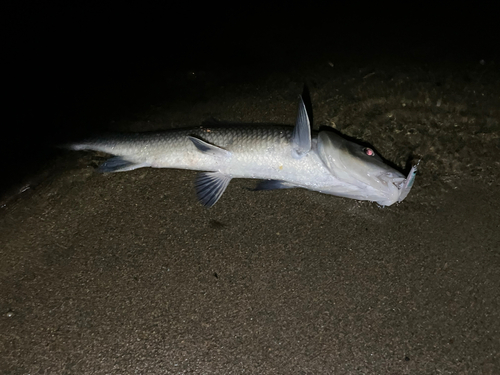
{"points": [[128, 273], [72, 68]]}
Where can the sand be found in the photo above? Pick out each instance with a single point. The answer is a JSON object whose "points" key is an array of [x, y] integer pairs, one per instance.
{"points": [[127, 273]]}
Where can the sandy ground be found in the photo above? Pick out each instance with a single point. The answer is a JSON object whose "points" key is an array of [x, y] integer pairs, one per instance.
{"points": [[128, 274]]}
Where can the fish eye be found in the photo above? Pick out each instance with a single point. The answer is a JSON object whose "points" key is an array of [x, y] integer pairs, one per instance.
{"points": [[368, 151]]}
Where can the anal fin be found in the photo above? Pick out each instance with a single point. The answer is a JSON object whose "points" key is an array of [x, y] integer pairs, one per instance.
{"points": [[118, 164]]}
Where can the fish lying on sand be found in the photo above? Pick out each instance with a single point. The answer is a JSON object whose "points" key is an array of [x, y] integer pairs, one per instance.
{"points": [[282, 156]]}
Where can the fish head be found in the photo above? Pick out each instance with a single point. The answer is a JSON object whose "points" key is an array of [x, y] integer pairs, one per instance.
{"points": [[360, 172]]}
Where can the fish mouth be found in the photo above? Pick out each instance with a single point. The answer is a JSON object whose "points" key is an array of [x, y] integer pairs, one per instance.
{"points": [[398, 185], [364, 177], [391, 186], [406, 185]]}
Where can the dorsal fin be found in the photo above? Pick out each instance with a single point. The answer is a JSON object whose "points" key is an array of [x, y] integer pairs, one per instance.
{"points": [[301, 137], [208, 148]]}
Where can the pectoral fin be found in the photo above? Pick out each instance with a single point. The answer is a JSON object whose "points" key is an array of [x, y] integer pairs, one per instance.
{"points": [[210, 186], [301, 137]]}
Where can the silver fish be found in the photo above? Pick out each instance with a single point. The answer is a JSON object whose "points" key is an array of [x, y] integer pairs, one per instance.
{"points": [[282, 156]]}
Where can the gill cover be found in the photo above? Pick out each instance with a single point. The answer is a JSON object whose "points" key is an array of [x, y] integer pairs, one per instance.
{"points": [[347, 161], [360, 168]]}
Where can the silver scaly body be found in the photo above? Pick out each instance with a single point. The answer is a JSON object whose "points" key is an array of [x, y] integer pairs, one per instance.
{"points": [[283, 156]]}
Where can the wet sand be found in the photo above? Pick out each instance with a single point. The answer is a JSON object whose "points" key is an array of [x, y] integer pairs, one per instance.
{"points": [[128, 273]]}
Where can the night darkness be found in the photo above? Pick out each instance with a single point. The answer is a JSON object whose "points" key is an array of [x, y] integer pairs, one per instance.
{"points": [[71, 68], [122, 273]]}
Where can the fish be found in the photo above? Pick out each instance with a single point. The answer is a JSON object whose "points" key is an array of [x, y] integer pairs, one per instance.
{"points": [[282, 157]]}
